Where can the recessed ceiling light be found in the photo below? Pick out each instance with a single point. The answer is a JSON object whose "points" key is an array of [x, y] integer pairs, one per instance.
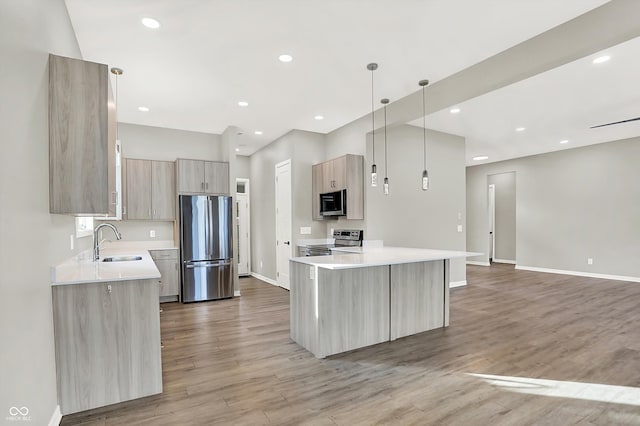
{"points": [[258, 132], [564, 141], [285, 58], [150, 23], [243, 103], [481, 157], [143, 109], [601, 59], [318, 117], [237, 149], [454, 110], [520, 129]]}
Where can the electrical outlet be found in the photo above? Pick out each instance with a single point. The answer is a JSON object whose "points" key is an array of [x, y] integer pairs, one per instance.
{"points": [[152, 233], [459, 228], [590, 261], [71, 241], [261, 266]]}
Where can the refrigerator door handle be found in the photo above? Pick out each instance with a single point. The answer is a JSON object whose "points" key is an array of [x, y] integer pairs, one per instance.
{"points": [[191, 265]]}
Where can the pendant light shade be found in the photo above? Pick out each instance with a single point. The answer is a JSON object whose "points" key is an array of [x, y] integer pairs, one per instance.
{"points": [[384, 102], [425, 173], [374, 172]]}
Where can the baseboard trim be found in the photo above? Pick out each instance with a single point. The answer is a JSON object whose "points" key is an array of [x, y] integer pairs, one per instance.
{"points": [[474, 262], [236, 293], [56, 418], [510, 262], [265, 279], [579, 273], [455, 284]]}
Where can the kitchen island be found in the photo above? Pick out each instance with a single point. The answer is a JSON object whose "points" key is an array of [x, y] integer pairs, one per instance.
{"points": [[364, 296]]}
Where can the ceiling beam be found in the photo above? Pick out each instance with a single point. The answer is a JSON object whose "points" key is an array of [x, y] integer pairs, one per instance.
{"points": [[608, 25]]}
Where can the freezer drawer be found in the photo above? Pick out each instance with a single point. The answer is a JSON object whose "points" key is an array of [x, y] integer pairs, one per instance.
{"points": [[209, 280]]}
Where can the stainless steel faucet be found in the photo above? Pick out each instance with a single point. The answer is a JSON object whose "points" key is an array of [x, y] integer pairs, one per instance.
{"points": [[96, 242]]}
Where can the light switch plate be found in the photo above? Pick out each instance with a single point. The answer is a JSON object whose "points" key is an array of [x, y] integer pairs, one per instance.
{"points": [[71, 242], [305, 230], [589, 261], [152, 233], [459, 228]]}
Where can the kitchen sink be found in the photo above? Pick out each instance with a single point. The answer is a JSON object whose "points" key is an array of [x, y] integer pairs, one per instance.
{"points": [[121, 258]]}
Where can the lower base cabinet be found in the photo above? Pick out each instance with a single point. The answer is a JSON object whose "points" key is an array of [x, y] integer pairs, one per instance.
{"points": [[167, 263], [107, 338]]}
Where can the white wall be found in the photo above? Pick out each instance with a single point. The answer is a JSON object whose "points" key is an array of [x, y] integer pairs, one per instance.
{"points": [[304, 149], [570, 205], [243, 164], [157, 143], [408, 216], [31, 240]]}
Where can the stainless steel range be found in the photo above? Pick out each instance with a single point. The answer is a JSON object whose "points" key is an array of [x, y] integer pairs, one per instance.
{"points": [[343, 238]]}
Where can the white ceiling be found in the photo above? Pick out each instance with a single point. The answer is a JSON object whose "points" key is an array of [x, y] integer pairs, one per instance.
{"points": [[210, 54], [557, 105]]}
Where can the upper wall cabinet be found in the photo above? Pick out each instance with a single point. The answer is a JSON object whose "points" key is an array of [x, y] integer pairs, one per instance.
{"points": [[82, 136], [150, 190], [346, 172], [203, 177]]}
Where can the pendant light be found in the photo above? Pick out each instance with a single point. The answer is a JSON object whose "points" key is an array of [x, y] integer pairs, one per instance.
{"points": [[384, 102], [374, 173], [117, 71], [425, 173]]}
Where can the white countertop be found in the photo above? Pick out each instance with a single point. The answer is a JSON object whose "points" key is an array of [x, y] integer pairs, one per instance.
{"points": [[362, 257], [82, 269]]}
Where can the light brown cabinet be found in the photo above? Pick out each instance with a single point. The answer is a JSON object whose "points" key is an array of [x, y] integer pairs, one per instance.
{"points": [[107, 343], [346, 172], [150, 190], [82, 138], [167, 263], [203, 177]]}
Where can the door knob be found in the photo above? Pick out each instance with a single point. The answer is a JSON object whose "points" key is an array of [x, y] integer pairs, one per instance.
{"points": [[287, 242]]}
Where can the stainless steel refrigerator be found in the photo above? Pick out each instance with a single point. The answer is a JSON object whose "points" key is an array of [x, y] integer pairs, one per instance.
{"points": [[206, 251]]}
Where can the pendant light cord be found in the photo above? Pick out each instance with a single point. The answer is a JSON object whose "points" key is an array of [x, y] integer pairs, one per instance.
{"points": [[117, 130], [373, 121], [424, 130], [386, 174]]}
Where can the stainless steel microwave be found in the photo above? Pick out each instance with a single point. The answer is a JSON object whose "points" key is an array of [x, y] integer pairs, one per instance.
{"points": [[333, 203]]}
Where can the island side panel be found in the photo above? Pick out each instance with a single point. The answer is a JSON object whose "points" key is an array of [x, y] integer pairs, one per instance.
{"points": [[353, 308], [447, 290], [417, 297], [302, 300]]}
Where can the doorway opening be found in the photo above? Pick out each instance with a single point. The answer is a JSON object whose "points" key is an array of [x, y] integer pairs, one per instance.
{"points": [[501, 213], [243, 226]]}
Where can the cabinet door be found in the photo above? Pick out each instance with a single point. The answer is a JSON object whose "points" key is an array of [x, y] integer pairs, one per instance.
{"points": [[327, 177], [79, 132], [339, 173], [317, 183], [107, 339], [216, 177], [163, 190], [138, 189], [169, 282], [191, 176]]}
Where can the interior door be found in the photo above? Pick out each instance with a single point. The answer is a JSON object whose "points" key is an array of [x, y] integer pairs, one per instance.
{"points": [[242, 201], [283, 222], [492, 221]]}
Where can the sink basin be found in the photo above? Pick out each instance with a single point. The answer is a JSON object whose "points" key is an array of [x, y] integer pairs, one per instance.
{"points": [[121, 258]]}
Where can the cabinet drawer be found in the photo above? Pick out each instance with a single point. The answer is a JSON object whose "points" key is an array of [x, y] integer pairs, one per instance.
{"points": [[171, 254]]}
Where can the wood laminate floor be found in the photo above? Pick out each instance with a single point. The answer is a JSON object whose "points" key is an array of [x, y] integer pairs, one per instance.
{"points": [[523, 348]]}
